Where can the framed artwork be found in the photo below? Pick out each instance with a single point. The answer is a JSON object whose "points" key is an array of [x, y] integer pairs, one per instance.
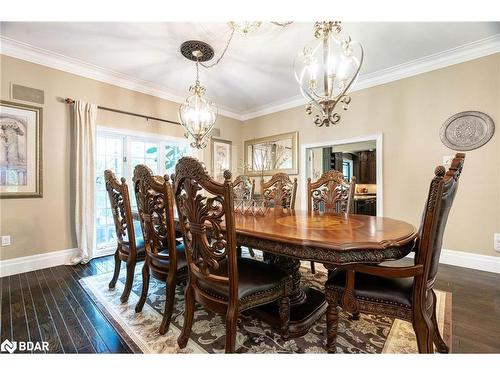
{"points": [[221, 157], [20, 150]]}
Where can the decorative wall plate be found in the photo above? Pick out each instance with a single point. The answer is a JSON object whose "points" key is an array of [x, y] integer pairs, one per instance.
{"points": [[467, 131]]}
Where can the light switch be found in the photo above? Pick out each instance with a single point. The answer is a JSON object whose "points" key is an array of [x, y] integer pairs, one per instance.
{"points": [[5, 240]]}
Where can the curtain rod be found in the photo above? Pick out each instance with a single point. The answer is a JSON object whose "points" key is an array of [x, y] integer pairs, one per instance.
{"points": [[71, 101]]}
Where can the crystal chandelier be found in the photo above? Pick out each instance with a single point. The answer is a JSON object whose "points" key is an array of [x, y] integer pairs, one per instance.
{"points": [[198, 114], [325, 69]]}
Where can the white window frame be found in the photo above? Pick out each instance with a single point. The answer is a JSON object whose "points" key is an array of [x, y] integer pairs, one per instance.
{"points": [[127, 137]]}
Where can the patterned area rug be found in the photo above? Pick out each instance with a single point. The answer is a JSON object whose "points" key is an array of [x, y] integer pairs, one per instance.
{"points": [[369, 334]]}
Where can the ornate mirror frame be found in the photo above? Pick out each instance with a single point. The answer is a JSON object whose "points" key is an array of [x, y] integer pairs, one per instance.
{"points": [[293, 136]]}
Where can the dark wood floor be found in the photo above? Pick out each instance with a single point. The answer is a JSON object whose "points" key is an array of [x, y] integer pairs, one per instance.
{"points": [[50, 305]]}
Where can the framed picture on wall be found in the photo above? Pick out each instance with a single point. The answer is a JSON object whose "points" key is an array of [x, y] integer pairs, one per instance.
{"points": [[20, 150], [221, 157]]}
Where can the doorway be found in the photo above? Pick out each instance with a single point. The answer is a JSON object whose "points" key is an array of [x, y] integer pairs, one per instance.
{"points": [[355, 157]]}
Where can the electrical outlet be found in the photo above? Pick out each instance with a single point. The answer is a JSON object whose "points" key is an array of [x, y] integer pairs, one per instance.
{"points": [[496, 241], [447, 160], [5, 240]]}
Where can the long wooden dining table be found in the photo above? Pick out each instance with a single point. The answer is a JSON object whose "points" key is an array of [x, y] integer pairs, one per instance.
{"points": [[335, 240]]}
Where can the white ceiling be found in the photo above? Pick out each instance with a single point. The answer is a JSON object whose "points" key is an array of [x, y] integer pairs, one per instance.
{"points": [[257, 70]]}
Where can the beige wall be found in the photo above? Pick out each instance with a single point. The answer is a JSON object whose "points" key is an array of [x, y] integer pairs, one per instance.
{"points": [[409, 113], [40, 225]]}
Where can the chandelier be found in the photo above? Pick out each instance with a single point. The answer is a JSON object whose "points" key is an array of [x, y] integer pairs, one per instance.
{"points": [[197, 114], [325, 69]]}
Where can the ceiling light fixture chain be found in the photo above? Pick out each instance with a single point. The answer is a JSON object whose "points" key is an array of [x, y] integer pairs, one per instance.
{"points": [[223, 52]]}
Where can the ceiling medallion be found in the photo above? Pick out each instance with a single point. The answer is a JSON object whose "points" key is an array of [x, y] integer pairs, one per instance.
{"points": [[191, 47], [197, 114], [467, 131], [325, 69]]}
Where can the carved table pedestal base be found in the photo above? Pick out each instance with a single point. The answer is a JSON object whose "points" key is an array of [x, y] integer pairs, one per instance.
{"points": [[307, 305]]}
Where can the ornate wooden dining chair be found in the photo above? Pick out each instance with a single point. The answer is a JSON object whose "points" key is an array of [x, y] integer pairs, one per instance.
{"points": [[244, 188], [330, 193], [279, 191], [401, 292], [218, 280], [165, 259], [130, 245]]}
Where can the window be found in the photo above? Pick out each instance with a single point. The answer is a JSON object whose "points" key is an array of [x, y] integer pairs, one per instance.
{"points": [[121, 152]]}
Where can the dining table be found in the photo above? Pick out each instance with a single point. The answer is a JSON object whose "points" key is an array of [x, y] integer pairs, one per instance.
{"points": [[334, 239], [288, 237]]}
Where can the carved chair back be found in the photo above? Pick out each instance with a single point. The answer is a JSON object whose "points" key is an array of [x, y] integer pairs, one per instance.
{"points": [[244, 187], [280, 191], [331, 193], [440, 198], [155, 203], [119, 200], [206, 217]]}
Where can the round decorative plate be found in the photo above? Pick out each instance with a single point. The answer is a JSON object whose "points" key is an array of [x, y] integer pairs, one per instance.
{"points": [[467, 131]]}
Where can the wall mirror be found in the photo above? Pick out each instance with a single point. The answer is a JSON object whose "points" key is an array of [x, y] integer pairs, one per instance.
{"points": [[269, 155]]}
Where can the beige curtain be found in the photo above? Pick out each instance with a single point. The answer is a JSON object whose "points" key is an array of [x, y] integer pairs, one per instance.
{"points": [[84, 122]]}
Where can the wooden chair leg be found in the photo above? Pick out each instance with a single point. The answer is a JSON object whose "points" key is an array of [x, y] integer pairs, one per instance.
{"points": [[118, 262], [438, 340], [284, 312], [188, 316], [332, 324], [313, 268], [169, 302], [145, 287], [423, 331], [129, 281], [231, 319]]}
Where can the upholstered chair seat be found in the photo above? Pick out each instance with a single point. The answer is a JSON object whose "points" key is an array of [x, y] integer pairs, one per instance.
{"points": [[255, 280], [161, 259], [387, 293]]}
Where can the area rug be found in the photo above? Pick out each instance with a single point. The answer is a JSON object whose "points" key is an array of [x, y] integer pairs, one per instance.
{"points": [[369, 334]]}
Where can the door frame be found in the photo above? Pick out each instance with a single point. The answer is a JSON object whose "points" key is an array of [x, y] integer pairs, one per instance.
{"points": [[378, 137]]}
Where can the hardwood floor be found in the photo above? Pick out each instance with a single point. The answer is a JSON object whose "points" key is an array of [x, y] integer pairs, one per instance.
{"points": [[50, 305]]}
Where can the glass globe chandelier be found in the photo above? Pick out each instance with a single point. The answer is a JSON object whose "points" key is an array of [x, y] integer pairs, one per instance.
{"points": [[197, 114], [325, 69]]}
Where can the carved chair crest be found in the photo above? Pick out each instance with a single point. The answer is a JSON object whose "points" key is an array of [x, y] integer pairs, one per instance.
{"points": [[331, 193], [243, 187], [280, 191], [155, 205], [204, 206], [120, 207]]}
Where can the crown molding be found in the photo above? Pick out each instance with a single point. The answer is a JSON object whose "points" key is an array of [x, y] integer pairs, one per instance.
{"points": [[28, 52], [466, 52], [463, 53]]}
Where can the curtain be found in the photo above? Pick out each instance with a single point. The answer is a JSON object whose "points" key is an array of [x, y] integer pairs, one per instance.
{"points": [[84, 122]]}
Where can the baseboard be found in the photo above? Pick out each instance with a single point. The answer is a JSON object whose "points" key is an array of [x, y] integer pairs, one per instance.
{"points": [[36, 262], [479, 262]]}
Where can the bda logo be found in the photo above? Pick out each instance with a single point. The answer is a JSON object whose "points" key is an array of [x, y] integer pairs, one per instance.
{"points": [[8, 346]]}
